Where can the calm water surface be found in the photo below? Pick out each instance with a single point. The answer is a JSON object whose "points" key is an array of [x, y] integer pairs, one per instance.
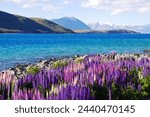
{"points": [[27, 48]]}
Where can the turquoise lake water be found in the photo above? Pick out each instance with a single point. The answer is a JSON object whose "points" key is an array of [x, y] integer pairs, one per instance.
{"points": [[28, 48]]}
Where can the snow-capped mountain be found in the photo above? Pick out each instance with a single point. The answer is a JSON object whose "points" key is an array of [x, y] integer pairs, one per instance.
{"points": [[101, 26]]}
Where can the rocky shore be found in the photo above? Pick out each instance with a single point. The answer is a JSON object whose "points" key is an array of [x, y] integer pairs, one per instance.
{"points": [[22, 70]]}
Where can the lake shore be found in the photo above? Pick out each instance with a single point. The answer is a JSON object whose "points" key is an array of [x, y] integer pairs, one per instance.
{"points": [[21, 70]]}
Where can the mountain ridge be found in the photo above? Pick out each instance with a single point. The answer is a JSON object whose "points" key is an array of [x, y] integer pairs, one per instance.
{"points": [[10, 23], [116, 31], [105, 26], [71, 23]]}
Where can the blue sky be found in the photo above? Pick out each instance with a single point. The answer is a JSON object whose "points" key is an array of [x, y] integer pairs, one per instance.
{"points": [[131, 12]]}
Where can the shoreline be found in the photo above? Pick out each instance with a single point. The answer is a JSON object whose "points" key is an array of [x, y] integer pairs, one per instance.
{"points": [[21, 70], [48, 58]]}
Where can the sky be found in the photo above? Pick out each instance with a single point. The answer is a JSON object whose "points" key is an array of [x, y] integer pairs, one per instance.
{"points": [[119, 12]]}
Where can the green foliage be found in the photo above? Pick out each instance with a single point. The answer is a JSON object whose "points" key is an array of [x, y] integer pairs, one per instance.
{"points": [[133, 74], [33, 70], [116, 92], [145, 82], [59, 63], [100, 93], [131, 94], [125, 93]]}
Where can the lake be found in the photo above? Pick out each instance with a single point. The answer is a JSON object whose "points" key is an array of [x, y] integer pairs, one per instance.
{"points": [[28, 48]]}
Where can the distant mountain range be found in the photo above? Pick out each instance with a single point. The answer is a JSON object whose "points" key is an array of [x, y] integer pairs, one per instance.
{"points": [[120, 31], [102, 27], [10, 23], [71, 23]]}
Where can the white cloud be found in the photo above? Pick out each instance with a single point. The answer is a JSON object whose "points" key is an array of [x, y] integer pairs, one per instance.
{"points": [[144, 9], [25, 3], [114, 7], [118, 6], [43, 4], [50, 8], [94, 3], [67, 1], [119, 11]]}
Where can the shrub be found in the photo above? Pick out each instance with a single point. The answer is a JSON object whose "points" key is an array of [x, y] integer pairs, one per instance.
{"points": [[145, 82], [33, 70]]}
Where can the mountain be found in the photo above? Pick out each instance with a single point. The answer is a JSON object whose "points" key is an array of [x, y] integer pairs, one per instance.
{"points": [[142, 29], [101, 27], [71, 23], [10, 23], [51, 25], [121, 31]]}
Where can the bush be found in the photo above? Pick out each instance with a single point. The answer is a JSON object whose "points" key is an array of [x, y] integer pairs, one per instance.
{"points": [[145, 82], [33, 70]]}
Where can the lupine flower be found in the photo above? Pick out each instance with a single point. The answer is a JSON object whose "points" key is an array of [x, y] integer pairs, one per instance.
{"points": [[76, 80]]}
